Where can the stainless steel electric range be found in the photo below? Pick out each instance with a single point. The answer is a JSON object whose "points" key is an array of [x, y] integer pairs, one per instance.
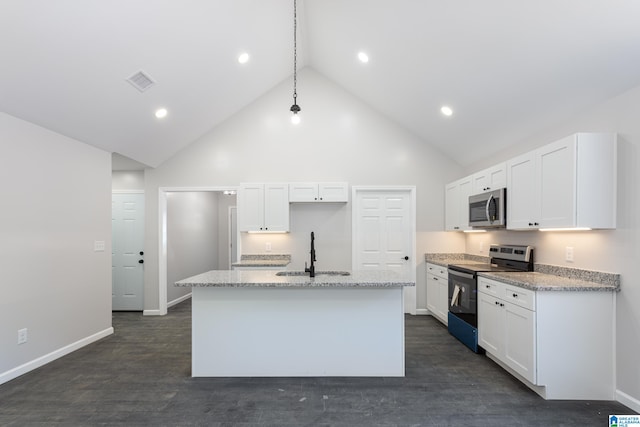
{"points": [[463, 288]]}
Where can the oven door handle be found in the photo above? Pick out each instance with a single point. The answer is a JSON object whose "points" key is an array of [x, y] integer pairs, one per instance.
{"points": [[460, 274]]}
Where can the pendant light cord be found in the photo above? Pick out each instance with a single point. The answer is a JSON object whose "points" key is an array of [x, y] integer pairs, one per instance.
{"points": [[295, 51]]}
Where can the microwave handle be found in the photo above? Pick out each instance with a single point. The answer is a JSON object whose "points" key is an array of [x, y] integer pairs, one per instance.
{"points": [[486, 208]]}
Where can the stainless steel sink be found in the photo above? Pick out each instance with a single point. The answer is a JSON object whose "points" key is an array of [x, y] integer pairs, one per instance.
{"points": [[318, 273]]}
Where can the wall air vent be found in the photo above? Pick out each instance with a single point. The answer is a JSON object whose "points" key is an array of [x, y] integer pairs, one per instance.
{"points": [[141, 81]]}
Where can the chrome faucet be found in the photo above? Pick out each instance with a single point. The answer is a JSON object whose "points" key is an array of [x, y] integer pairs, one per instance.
{"points": [[311, 269]]}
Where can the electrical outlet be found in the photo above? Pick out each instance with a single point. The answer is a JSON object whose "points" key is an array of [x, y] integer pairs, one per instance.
{"points": [[22, 336], [481, 246], [268, 246], [568, 253]]}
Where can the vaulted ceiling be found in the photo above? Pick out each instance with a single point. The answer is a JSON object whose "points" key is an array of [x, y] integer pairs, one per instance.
{"points": [[507, 68]]}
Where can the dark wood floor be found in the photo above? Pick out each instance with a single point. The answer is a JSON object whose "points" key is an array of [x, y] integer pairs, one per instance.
{"points": [[141, 376]]}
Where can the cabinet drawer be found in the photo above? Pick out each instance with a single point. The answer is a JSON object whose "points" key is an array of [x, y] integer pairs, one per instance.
{"points": [[438, 271], [519, 296], [435, 278], [490, 287]]}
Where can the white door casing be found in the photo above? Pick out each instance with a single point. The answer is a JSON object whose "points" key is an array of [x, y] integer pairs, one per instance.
{"points": [[384, 230], [127, 230]]}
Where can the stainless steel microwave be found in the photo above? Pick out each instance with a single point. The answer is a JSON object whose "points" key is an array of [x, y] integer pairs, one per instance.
{"points": [[488, 210]]}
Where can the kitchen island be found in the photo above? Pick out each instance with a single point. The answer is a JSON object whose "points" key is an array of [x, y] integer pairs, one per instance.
{"points": [[261, 324]]}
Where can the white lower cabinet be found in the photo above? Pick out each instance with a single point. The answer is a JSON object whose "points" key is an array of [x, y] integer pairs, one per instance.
{"points": [[438, 292], [507, 330], [559, 343]]}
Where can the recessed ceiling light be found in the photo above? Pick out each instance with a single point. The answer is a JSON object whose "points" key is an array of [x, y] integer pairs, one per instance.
{"points": [[161, 113], [447, 111], [363, 57], [243, 58]]}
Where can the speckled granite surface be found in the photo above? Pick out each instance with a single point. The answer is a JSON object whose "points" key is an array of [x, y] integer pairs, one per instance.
{"points": [[263, 260], [269, 279], [536, 281], [444, 259], [545, 277]]}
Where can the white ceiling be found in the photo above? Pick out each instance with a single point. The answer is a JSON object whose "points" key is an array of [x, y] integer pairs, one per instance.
{"points": [[508, 68]]}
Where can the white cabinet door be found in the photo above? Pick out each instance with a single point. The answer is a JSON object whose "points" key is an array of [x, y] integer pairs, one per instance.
{"points": [[557, 183], [433, 291], [442, 308], [251, 207], [437, 295], [489, 179], [490, 324], [520, 340], [457, 204], [303, 192], [333, 191], [522, 192], [263, 207], [276, 207]]}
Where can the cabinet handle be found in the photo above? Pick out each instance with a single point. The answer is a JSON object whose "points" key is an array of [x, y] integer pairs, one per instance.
{"points": [[535, 223], [515, 295], [435, 278], [488, 286], [501, 305]]}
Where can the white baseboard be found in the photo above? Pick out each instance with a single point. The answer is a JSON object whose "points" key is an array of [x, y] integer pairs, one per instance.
{"points": [[179, 300], [422, 311], [56, 354], [152, 313], [629, 401]]}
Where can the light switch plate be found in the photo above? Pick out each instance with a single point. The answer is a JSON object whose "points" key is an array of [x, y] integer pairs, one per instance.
{"points": [[98, 246]]}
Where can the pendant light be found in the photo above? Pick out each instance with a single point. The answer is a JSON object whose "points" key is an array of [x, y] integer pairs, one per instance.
{"points": [[295, 108]]}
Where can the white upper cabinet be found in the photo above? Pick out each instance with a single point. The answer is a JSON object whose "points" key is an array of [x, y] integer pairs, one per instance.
{"points": [[457, 204], [318, 192], [570, 183], [490, 179], [263, 207]]}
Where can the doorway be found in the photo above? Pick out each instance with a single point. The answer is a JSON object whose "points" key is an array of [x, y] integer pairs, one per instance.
{"points": [[383, 234], [164, 244]]}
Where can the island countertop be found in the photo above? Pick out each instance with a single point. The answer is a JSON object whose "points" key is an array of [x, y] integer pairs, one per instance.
{"points": [[269, 279]]}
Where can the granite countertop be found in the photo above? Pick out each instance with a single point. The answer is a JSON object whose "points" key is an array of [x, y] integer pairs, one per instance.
{"points": [[444, 259], [545, 277], [269, 279], [537, 281], [263, 260]]}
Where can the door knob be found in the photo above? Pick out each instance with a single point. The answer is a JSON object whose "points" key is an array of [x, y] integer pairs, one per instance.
{"points": [[406, 258], [141, 261]]}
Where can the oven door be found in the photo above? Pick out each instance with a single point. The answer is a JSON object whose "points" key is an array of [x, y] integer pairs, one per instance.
{"points": [[463, 292]]}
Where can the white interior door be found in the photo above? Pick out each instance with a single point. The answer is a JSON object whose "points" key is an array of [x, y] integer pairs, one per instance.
{"points": [[127, 230], [384, 234]]}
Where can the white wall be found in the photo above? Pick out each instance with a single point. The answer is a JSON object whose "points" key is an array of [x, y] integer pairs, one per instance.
{"points": [[127, 180], [192, 237], [56, 201], [340, 139], [616, 251]]}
